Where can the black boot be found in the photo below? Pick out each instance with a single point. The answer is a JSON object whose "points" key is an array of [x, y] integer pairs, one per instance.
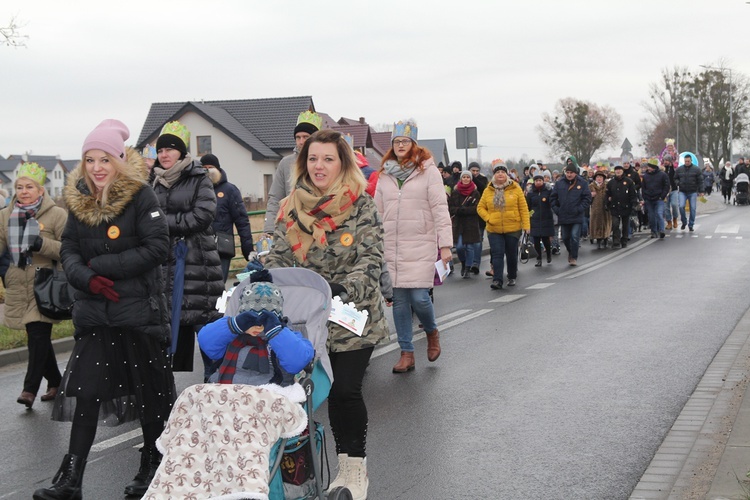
{"points": [[66, 485], [150, 460]]}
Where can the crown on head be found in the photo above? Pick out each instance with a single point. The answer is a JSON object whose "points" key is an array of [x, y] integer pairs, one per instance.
{"points": [[500, 162], [179, 130], [405, 128], [669, 142], [32, 171], [312, 118]]}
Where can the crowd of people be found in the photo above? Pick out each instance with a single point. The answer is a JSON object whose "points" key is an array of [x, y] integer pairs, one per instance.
{"points": [[147, 241]]}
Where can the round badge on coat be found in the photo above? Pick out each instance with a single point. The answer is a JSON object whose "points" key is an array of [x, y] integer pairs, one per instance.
{"points": [[113, 232], [579, 187], [220, 195], [347, 239], [544, 199], [41, 226], [624, 183]]}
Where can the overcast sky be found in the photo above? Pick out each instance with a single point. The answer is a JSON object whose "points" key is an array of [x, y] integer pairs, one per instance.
{"points": [[496, 65]]}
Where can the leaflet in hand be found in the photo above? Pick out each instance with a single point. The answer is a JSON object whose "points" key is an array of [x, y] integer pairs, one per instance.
{"points": [[221, 302], [348, 316], [443, 270]]}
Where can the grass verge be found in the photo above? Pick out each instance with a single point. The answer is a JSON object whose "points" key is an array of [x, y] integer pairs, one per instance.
{"points": [[11, 339]]}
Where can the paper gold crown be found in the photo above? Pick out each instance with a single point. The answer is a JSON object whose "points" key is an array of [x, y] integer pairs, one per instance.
{"points": [[32, 171], [406, 128], [669, 142], [178, 130], [312, 118]]}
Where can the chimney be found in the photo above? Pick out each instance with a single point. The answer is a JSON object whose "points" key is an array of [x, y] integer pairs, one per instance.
{"points": [[362, 120]]}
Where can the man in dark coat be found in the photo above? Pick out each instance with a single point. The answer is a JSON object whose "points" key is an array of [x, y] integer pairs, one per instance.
{"points": [[622, 199], [655, 188], [230, 211], [570, 199], [689, 180], [481, 182]]}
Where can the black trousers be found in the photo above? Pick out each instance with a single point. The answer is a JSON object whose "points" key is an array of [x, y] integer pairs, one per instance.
{"points": [[346, 405], [538, 240], [42, 362], [618, 222]]}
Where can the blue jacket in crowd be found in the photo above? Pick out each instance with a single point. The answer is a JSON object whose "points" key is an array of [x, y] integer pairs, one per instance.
{"points": [[570, 200], [655, 185]]}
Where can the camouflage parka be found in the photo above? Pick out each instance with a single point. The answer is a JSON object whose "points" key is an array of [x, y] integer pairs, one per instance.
{"points": [[353, 259]]}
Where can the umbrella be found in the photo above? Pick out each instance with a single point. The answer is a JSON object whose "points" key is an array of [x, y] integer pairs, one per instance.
{"points": [[178, 288]]}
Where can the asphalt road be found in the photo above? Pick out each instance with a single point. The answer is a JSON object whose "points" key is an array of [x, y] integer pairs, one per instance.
{"points": [[561, 387]]}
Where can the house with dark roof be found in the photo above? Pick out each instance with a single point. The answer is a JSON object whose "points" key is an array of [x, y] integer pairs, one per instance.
{"points": [[249, 136], [438, 148], [57, 171]]}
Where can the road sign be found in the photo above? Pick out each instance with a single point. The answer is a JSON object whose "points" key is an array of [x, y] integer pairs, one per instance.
{"points": [[466, 138]]}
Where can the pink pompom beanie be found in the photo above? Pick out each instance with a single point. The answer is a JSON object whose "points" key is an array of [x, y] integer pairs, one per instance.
{"points": [[109, 136]]}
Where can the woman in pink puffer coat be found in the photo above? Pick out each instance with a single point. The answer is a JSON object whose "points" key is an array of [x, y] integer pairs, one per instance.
{"points": [[412, 202]]}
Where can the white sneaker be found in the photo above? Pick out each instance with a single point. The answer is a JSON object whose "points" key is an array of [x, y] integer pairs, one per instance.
{"points": [[358, 480], [342, 478]]}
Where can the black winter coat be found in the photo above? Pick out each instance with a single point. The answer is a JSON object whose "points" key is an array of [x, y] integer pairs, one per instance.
{"points": [[570, 200], [655, 186], [634, 176], [125, 241], [463, 210], [231, 211], [621, 196], [190, 205], [542, 218], [689, 180]]}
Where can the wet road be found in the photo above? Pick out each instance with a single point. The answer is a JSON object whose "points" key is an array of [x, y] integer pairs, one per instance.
{"points": [[561, 387]]}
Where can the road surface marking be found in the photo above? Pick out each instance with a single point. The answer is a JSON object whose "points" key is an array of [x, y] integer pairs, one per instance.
{"points": [[600, 260], [508, 298], [724, 237], [709, 237], [738, 237], [109, 443], [727, 228], [539, 286], [441, 327], [615, 258]]}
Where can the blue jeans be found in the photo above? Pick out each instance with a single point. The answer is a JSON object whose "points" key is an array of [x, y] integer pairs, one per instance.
{"points": [[503, 247], [673, 208], [465, 252], [478, 249], [571, 236], [655, 215], [404, 301], [693, 197]]}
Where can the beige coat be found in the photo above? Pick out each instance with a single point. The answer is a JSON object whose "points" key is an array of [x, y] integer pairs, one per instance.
{"points": [[416, 223], [20, 305]]}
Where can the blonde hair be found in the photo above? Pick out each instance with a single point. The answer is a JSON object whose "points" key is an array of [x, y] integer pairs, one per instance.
{"points": [[350, 175], [120, 170]]}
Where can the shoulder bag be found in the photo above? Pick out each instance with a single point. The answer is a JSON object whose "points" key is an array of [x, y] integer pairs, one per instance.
{"points": [[53, 293]]}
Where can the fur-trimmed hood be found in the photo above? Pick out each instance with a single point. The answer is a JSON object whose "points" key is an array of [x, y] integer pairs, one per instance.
{"points": [[83, 204]]}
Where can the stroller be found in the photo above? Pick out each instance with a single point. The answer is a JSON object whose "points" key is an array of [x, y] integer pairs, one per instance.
{"points": [[741, 188], [307, 305]]}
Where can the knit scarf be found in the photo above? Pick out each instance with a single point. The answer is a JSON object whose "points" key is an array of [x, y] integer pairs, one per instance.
{"points": [[23, 229], [308, 217], [257, 358], [466, 189], [400, 172], [168, 176], [728, 172], [499, 199]]}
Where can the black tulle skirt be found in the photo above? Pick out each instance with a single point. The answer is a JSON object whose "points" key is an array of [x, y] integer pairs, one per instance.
{"points": [[128, 373]]}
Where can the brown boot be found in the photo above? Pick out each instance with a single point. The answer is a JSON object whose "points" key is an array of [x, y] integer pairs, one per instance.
{"points": [[433, 345], [405, 363], [669, 224], [674, 224]]}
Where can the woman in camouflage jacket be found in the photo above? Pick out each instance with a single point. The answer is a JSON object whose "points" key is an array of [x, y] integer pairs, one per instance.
{"points": [[328, 224]]}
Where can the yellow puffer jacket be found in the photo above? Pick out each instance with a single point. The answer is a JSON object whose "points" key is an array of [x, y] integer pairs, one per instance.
{"points": [[514, 216]]}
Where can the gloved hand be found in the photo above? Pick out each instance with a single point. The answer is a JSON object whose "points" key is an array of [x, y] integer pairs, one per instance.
{"points": [[37, 245], [270, 322], [337, 289], [99, 285]]}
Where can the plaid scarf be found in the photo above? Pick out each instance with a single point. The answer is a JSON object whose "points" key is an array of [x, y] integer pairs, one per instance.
{"points": [[309, 217], [23, 229], [498, 199], [257, 358]]}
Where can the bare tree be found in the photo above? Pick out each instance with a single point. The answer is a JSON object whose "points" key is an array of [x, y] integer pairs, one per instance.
{"points": [[580, 128], [11, 35]]}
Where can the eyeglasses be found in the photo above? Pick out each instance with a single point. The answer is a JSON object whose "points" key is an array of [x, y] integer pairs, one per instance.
{"points": [[402, 142]]}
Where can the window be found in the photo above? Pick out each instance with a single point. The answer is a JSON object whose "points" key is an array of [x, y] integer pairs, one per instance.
{"points": [[204, 144]]}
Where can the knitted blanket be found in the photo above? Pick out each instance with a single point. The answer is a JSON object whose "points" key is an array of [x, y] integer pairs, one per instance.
{"points": [[218, 439]]}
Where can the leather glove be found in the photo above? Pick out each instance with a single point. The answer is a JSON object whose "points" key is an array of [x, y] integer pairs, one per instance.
{"points": [[99, 285], [37, 245]]}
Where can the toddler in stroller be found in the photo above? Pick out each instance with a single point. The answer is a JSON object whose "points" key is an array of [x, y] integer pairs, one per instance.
{"points": [[741, 188], [221, 438]]}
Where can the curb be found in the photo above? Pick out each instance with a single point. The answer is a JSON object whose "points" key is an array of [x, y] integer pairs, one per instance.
{"points": [[21, 354]]}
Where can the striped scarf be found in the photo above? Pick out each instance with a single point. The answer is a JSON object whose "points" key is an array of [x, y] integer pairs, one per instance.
{"points": [[23, 229], [309, 217], [257, 358]]}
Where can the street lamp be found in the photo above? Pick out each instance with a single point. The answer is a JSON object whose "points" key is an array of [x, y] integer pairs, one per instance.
{"points": [[731, 120]]}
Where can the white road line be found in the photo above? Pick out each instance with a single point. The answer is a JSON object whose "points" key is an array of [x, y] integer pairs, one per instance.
{"points": [[709, 237], [441, 327], [724, 237], [109, 443], [602, 259], [539, 286], [617, 257], [448, 316], [508, 298], [738, 237], [727, 228]]}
